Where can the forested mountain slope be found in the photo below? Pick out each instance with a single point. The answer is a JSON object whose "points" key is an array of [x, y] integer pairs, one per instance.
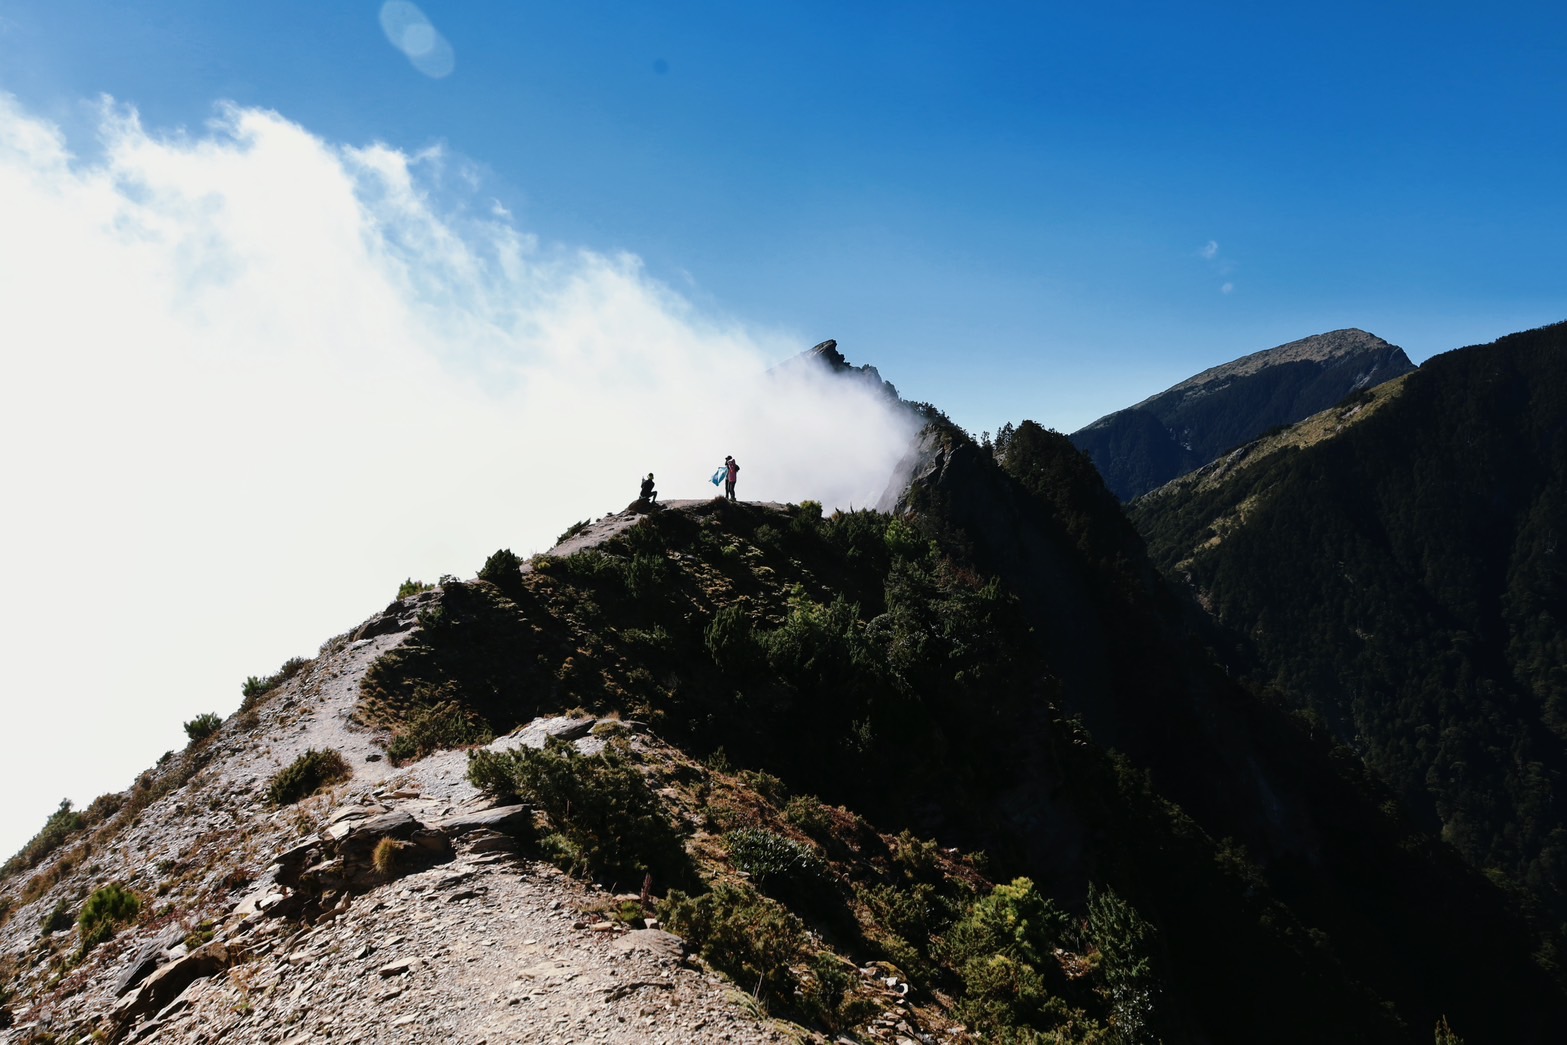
{"points": [[1405, 581], [1133, 667], [1190, 424], [963, 770]]}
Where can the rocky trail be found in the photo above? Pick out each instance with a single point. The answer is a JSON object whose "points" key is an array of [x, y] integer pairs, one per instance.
{"points": [[483, 945]]}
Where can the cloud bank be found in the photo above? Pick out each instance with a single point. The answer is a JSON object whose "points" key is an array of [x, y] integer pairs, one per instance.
{"points": [[251, 379]]}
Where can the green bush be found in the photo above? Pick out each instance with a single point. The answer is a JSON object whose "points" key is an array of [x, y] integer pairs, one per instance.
{"points": [[609, 821], [1126, 943], [202, 726], [809, 814], [445, 725], [504, 570], [1001, 949], [806, 517], [256, 688], [412, 587], [62, 823], [773, 860], [767, 536], [731, 642], [1015, 919], [306, 775], [491, 773], [591, 564], [752, 939], [1000, 996], [825, 996], [646, 575], [104, 910]]}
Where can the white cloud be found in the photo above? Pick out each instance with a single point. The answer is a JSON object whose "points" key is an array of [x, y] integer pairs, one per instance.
{"points": [[1226, 288], [251, 380], [1209, 250]]}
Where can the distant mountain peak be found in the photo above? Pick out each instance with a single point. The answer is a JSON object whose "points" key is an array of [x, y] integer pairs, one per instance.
{"points": [[1325, 348], [1195, 421]]}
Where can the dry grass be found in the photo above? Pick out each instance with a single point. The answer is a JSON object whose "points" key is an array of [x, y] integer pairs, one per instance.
{"points": [[388, 852]]}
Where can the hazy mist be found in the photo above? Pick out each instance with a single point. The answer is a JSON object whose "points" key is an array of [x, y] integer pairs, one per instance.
{"points": [[251, 380]]}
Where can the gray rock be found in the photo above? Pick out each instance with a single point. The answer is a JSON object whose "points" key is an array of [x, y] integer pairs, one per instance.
{"points": [[505, 819], [666, 945], [148, 957], [168, 982]]}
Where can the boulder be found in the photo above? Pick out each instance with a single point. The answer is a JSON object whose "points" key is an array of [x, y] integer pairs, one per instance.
{"points": [[147, 958], [169, 982]]}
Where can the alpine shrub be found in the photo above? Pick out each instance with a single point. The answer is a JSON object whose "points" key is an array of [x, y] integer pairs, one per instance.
{"points": [[62, 823], [1001, 950], [446, 725], [772, 859], [256, 688], [105, 909], [743, 934], [504, 570], [306, 775], [1125, 942], [730, 641], [572, 530], [609, 821], [55, 920], [202, 726]]}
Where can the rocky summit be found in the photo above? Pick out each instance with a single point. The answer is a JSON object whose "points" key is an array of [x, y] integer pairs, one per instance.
{"points": [[1192, 423]]}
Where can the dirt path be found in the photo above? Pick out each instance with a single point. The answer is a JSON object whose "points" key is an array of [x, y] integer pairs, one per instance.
{"points": [[485, 948]]}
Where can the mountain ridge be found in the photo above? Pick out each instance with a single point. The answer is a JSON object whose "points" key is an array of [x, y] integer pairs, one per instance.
{"points": [[845, 751], [1141, 447]]}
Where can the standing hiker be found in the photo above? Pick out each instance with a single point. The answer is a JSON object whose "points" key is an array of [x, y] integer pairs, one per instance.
{"points": [[731, 473]]}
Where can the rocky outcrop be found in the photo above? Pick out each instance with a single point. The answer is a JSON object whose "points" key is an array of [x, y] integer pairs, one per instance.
{"points": [[401, 616], [1190, 424], [827, 356], [160, 991]]}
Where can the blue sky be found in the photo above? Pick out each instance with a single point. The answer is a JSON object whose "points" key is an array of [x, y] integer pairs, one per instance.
{"points": [[1003, 206], [268, 298]]}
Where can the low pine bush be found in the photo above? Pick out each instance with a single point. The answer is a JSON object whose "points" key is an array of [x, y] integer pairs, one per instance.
{"points": [[55, 920], [306, 775], [105, 910], [773, 860], [1003, 951], [572, 530], [446, 725], [752, 939], [256, 688], [609, 822], [62, 823], [202, 726], [504, 570]]}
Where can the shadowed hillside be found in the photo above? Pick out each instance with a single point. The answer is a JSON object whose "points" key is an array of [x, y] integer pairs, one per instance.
{"points": [[1402, 582]]}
